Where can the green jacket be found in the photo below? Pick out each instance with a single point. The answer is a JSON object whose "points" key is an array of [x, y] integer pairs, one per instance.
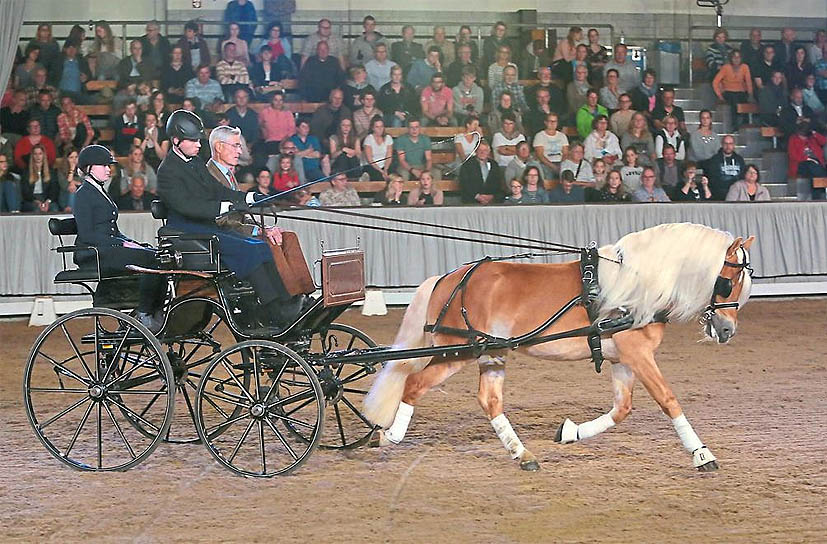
{"points": [[585, 117]]}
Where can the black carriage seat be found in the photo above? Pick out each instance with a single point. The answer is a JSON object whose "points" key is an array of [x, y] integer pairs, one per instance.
{"points": [[199, 252], [85, 258]]}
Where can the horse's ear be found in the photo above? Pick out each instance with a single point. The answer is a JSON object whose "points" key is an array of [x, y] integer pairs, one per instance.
{"points": [[748, 242], [734, 246]]}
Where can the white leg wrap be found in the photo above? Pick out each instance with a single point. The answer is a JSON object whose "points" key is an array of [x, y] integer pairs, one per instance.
{"points": [[595, 426], [702, 456], [396, 432], [507, 436], [689, 439], [568, 435]]}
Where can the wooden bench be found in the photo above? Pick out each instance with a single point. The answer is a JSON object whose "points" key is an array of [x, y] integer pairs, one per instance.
{"points": [[431, 132], [820, 183], [571, 132], [97, 85], [749, 108], [446, 185], [292, 107], [772, 132]]}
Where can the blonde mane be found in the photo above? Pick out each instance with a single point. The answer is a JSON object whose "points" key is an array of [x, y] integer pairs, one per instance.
{"points": [[670, 267]]}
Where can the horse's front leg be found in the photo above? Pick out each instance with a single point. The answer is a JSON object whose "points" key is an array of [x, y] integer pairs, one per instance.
{"points": [[636, 349]]}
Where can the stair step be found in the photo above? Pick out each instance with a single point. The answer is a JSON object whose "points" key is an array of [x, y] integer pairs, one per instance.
{"points": [[689, 103]]}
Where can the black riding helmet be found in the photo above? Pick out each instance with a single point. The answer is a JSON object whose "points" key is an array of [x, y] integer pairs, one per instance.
{"points": [[185, 125], [92, 155]]}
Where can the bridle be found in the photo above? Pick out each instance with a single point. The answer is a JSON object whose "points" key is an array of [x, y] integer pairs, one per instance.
{"points": [[723, 286]]}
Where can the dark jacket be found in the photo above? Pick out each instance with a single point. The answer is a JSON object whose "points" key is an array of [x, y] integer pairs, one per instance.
{"points": [[97, 218], [281, 68], [51, 189], [723, 172], [404, 53], [47, 118], [146, 72], [127, 203], [163, 49], [175, 79], [184, 44], [390, 101], [788, 118], [57, 70], [318, 78], [472, 184]]}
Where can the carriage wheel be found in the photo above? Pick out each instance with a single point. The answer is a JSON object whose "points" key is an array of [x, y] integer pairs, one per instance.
{"points": [[188, 358], [284, 390], [345, 388], [87, 373]]}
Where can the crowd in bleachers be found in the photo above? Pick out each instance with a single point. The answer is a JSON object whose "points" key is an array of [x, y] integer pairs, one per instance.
{"points": [[508, 122]]}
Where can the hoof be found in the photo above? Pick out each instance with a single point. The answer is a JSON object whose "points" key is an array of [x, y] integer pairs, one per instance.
{"points": [[711, 466], [559, 436], [379, 440], [566, 433], [529, 462]]}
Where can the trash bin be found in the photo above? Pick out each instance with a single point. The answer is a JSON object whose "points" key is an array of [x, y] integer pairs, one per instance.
{"points": [[669, 62]]}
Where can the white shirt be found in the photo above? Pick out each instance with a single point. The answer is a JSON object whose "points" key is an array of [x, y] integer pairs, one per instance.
{"points": [[552, 145], [595, 147], [379, 150], [500, 140]]}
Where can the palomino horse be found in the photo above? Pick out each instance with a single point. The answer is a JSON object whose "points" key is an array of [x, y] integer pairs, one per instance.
{"points": [[677, 270]]}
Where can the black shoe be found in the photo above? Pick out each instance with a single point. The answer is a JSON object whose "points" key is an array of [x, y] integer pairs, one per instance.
{"points": [[308, 301], [283, 313]]}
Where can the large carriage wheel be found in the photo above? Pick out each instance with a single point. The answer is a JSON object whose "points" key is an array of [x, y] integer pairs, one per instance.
{"points": [[283, 391], [344, 387], [86, 374]]}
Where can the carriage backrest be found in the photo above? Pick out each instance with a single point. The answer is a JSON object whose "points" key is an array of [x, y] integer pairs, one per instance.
{"points": [[63, 227], [159, 209], [343, 277]]}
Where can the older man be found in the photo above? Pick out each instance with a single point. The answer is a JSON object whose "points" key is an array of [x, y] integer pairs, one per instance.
{"points": [[335, 45], [320, 74], [326, 118], [481, 179], [133, 68], [205, 89], [156, 48], [628, 76], [137, 199]]}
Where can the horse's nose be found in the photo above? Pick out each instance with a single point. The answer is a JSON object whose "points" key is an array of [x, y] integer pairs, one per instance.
{"points": [[725, 333]]}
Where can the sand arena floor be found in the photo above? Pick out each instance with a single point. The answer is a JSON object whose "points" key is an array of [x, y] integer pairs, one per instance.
{"points": [[759, 403]]}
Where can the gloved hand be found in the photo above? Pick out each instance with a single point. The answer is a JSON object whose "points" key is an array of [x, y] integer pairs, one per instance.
{"points": [[239, 206]]}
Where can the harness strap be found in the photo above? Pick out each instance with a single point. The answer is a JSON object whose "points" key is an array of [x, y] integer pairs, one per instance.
{"points": [[589, 259]]}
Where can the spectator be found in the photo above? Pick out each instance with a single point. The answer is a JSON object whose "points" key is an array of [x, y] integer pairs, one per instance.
{"points": [[718, 52], [724, 168], [599, 172], [423, 69], [505, 106], [23, 74], [631, 170], [406, 51], [363, 117], [286, 176], [610, 93], [397, 99], [47, 113], [795, 114], [137, 165], [127, 126], [536, 116], [805, 157], [49, 49], [194, 47], [6, 147], [242, 11], [158, 106], [392, 194], [495, 70], [133, 69], [598, 56], [815, 52], [205, 89], [772, 99], [70, 73], [785, 48], [628, 74], [39, 187], [669, 169], [733, 84], [557, 98], [505, 141], [231, 74], [752, 50], [511, 84], [310, 150], [601, 143], [268, 75], [152, 140], [704, 142], [694, 187], [577, 91], [68, 179], [535, 56], [765, 67], [276, 125], [799, 68], [345, 150], [481, 179], [516, 196], [669, 134], [176, 74], [612, 190], [264, 183], [276, 42], [649, 191], [340, 193], [244, 118], [466, 143], [491, 44], [137, 199], [520, 161], [33, 93], [811, 98], [326, 119], [748, 189], [666, 106], [645, 95], [362, 48], [354, 87], [413, 150], [156, 48], [639, 136], [620, 120], [106, 52], [464, 38], [533, 191], [580, 167], [73, 127], [320, 74], [551, 146], [580, 54], [447, 52], [468, 96], [566, 191], [241, 53], [453, 74], [378, 148], [27, 143], [324, 33], [287, 148], [379, 67], [426, 194], [437, 103], [587, 113], [10, 195], [143, 95], [566, 52]]}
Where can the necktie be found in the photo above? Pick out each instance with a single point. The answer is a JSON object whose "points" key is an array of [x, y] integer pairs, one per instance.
{"points": [[233, 184]]}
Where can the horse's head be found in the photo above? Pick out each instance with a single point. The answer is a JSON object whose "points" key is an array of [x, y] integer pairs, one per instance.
{"points": [[732, 289]]}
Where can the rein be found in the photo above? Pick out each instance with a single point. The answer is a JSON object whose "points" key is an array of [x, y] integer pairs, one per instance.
{"points": [[713, 306]]}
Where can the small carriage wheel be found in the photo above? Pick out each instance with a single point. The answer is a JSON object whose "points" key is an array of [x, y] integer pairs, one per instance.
{"points": [[85, 373], [188, 357], [345, 387], [284, 390]]}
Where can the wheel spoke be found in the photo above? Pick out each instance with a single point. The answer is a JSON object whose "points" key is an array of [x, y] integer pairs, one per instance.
{"points": [[77, 431], [293, 420], [235, 379], [65, 370], [300, 406], [55, 390], [140, 392], [149, 405], [227, 423], [356, 375], [228, 400], [100, 442], [275, 384], [350, 344], [187, 400], [282, 440], [339, 421], [357, 412], [214, 405], [261, 447], [97, 354], [241, 441], [256, 366], [295, 397], [357, 391], [133, 414], [62, 413], [135, 366], [120, 431], [117, 353], [76, 350]]}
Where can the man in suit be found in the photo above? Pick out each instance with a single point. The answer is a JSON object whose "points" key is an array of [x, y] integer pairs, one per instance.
{"points": [[137, 199], [796, 113], [481, 178], [195, 199]]}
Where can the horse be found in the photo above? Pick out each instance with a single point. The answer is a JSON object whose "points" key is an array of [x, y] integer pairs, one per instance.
{"points": [[670, 272]]}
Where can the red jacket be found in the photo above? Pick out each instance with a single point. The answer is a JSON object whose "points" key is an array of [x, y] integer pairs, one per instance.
{"points": [[795, 151], [282, 182], [24, 148]]}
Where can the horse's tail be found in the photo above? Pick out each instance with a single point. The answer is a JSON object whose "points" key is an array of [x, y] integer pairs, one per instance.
{"points": [[386, 392]]}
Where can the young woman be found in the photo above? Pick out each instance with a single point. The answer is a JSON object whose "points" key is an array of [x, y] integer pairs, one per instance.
{"points": [[798, 69], [378, 146], [39, 188], [68, 180], [613, 190], [391, 195], [704, 142], [717, 52], [107, 48], [630, 171], [426, 194], [695, 187], [264, 183], [598, 57], [733, 85], [466, 143], [345, 149], [242, 54], [551, 147], [533, 191], [137, 164], [286, 176], [610, 93], [567, 47], [516, 196], [748, 189], [640, 137], [152, 140], [23, 74], [506, 105]]}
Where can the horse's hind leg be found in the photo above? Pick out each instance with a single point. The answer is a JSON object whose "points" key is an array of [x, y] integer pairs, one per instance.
{"points": [[490, 397], [623, 382]]}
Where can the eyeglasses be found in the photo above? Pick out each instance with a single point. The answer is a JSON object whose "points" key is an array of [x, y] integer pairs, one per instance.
{"points": [[237, 145]]}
